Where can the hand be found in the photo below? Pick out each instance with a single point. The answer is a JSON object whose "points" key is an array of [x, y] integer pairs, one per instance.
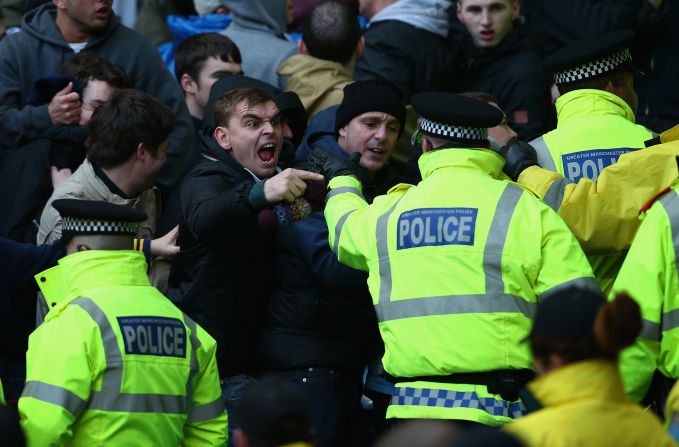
{"points": [[332, 166], [59, 176], [518, 156], [288, 185], [65, 106], [166, 246]]}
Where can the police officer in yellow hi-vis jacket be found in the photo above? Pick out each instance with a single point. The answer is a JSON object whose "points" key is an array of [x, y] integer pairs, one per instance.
{"points": [[116, 363], [595, 119], [649, 275], [457, 267]]}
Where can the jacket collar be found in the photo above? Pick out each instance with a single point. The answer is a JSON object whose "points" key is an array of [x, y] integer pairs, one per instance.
{"points": [[585, 380], [85, 270], [585, 103], [481, 161]]}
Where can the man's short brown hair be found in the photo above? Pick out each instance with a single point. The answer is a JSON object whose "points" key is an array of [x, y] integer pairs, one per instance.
{"points": [[227, 103]]}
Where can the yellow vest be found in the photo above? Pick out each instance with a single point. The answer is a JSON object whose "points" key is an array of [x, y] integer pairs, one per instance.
{"points": [[649, 275], [116, 363], [457, 266], [594, 129]]}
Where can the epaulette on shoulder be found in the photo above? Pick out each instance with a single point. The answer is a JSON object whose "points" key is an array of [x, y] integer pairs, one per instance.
{"points": [[400, 187], [525, 188], [650, 203]]}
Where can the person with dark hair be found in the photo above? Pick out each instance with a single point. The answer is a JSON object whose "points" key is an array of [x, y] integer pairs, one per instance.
{"points": [[116, 363], [578, 397], [222, 201], [501, 58], [57, 31], [273, 412], [305, 337], [457, 266], [407, 44], [28, 176], [199, 62], [128, 141], [331, 42]]}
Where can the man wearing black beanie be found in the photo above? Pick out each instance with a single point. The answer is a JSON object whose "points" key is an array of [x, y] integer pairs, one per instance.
{"points": [[370, 120]]}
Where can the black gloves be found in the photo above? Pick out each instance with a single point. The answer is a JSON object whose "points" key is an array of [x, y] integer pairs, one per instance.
{"points": [[331, 166], [518, 156]]}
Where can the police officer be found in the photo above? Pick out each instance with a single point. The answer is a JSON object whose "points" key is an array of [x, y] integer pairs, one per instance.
{"points": [[596, 114], [649, 275], [457, 266], [115, 362]]}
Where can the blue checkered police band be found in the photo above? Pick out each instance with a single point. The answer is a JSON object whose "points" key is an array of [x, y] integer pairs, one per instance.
{"points": [[93, 226], [454, 132], [592, 69]]}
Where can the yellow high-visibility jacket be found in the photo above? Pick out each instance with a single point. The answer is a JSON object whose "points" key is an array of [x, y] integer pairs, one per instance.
{"points": [[116, 363], [457, 266], [604, 214], [649, 275], [594, 129], [584, 405]]}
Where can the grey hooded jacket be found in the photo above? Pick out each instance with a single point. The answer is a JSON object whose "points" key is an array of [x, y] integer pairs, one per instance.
{"points": [[39, 49], [258, 29]]}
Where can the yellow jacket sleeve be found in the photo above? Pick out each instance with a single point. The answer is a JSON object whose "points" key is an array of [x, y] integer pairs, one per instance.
{"points": [[207, 420], [58, 378], [603, 214], [648, 275]]}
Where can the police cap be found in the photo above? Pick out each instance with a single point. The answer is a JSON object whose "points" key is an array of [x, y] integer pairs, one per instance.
{"points": [[590, 58], [568, 314], [93, 217], [455, 117]]}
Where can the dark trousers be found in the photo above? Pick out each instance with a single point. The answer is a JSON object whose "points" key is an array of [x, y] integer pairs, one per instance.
{"points": [[335, 399]]}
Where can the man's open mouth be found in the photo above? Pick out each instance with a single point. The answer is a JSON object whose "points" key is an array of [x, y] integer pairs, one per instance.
{"points": [[266, 152]]}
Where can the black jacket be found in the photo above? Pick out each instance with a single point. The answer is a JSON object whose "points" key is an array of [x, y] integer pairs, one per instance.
{"points": [[321, 314], [413, 59], [512, 73], [225, 270]]}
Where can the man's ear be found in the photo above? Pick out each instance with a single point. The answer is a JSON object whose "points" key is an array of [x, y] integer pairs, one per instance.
{"points": [[459, 11], [301, 46], [221, 134], [426, 144], [360, 47], [516, 9], [142, 153], [188, 84]]}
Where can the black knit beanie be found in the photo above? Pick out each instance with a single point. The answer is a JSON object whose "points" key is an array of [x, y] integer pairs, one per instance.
{"points": [[369, 96]]}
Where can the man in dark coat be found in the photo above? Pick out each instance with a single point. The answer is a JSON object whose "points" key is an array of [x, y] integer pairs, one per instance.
{"points": [[221, 200], [502, 62]]}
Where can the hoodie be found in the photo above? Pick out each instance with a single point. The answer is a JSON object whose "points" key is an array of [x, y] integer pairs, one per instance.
{"points": [[40, 49], [429, 15], [258, 30]]}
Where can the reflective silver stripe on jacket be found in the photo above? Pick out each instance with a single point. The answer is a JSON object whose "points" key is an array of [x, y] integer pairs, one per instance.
{"points": [[110, 398], [494, 300], [430, 397], [342, 190], [581, 283], [338, 230], [670, 203], [54, 394], [554, 196], [544, 156], [205, 412]]}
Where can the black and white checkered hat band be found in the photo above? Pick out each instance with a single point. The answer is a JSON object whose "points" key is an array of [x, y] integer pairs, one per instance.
{"points": [[90, 226], [454, 132], [592, 69]]}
